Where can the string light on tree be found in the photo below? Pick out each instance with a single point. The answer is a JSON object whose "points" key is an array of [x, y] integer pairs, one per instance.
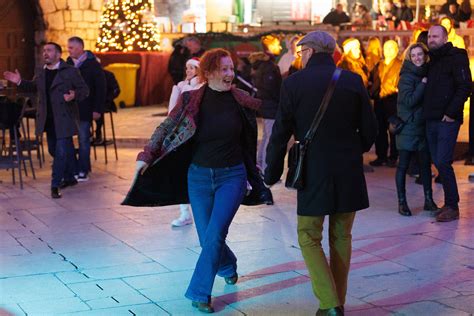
{"points": [[128, 25]]}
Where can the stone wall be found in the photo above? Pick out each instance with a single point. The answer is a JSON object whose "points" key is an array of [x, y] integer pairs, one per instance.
{"points": [[66, 18]]}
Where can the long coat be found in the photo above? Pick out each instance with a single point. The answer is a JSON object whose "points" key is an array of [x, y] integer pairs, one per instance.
{"points": [[409, 107], [169, 152], [94, 77], [333, 175], [66, 114]]}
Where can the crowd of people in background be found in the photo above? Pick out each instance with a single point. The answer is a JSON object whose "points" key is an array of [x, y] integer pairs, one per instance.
{"points": [[391, 14]]}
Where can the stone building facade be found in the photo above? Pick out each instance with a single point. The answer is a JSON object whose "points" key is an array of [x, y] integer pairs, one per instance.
{"points": [[66, 18]]}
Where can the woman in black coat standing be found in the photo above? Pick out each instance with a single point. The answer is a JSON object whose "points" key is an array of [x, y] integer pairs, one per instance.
{"points": [[412, 140]]}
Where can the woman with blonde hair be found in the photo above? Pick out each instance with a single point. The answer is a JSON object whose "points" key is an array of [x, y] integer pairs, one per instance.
{"points": [[373, 53], [412, 140]]}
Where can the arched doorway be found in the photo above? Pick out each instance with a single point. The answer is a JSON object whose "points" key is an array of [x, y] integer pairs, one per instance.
{"points": [[18, 23]]}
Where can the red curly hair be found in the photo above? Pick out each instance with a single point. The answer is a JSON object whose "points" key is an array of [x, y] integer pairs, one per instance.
{"points": [[211, 61]]}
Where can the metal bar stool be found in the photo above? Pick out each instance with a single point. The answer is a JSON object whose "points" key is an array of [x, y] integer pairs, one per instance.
{"points": [[106, 142], [10, 116], [26, 144], [37, 141]]}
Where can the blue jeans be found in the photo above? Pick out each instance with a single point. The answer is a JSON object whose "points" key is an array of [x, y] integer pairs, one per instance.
{"points": [[442, 138], [215, 195], [62, 150], [84, 161]]}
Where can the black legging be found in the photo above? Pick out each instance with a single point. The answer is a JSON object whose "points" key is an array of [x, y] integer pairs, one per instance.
{"points": [[425, 171]]}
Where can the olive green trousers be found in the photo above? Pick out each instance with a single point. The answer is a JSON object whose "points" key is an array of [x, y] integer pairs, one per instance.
{"points": [[329, 280]]}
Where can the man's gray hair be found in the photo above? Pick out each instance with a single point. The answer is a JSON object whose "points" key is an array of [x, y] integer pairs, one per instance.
{"points": [[76, 39]]}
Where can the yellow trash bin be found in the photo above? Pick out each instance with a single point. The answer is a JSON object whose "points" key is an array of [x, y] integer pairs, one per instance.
{"points": [[126, 75]]}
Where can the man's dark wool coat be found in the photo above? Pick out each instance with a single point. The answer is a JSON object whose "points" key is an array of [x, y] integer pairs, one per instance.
{"points": [[333, 175]]}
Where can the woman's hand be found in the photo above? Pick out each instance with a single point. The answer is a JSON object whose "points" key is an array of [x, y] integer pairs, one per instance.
{"points": [[424, 80], [140, 167]]}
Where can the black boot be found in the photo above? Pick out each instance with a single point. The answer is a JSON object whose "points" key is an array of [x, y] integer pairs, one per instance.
{"points": [[400, 179], [403, 208], [430, 205]]}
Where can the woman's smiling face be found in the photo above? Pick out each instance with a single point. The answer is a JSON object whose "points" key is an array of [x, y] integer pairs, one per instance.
{"points": [[417, 56], [221, 79]]}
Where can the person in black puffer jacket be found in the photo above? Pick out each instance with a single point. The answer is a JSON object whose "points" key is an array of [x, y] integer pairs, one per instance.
{"points": [[412, 139], [448, 87], [266, 78]]}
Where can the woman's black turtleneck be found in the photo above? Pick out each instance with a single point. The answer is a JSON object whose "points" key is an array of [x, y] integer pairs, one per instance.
{"points": [[217, 142]]}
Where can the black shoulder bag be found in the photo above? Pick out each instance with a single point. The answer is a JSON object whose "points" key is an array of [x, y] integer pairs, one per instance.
{"points": [[396, 123], [296, 155]]}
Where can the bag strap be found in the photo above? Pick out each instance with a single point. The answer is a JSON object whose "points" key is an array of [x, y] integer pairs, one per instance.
{"points": [[323, 107]]}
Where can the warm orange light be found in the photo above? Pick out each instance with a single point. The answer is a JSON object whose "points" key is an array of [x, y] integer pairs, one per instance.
{"points": [[272, 43]]}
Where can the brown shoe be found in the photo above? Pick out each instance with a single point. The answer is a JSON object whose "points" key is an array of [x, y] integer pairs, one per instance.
{"points": [[203, 307], [447, 214]]}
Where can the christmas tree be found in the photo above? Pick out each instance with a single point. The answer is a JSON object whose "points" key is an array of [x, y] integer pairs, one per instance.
{"points": [[128, 25]]}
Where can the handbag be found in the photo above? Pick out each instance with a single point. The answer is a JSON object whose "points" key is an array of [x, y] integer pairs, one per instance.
{"points": [[396, 123], [296, 155]]}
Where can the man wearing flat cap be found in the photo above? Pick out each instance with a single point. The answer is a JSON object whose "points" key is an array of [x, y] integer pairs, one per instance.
{"points": [[334, 182]]}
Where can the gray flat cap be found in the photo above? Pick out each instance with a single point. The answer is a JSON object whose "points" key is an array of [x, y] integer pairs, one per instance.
{"points": [[320, 41]]}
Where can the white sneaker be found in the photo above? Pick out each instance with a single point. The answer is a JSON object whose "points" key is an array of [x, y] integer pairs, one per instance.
{"points": [[82, 177], [182, 221]]}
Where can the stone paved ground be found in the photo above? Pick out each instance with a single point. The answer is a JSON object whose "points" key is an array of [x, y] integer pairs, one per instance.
{"points": [[86, 255]]}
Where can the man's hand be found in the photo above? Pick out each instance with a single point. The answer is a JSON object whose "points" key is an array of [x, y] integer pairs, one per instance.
{"points": [[140, 167], [447, 119], [424, 80], [96, 115], [14, 77], [69, 96]]}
